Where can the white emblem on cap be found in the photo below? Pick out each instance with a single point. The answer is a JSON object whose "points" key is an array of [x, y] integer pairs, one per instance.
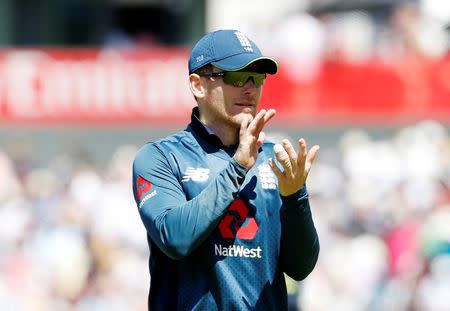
{"points": [[244, 41], [199, 58]]}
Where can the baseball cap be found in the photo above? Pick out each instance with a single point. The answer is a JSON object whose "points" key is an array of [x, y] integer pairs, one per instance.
{"points": [[229, 50]]}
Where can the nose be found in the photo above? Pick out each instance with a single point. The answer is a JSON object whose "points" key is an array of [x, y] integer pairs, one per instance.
{"points": [[249, 86]]}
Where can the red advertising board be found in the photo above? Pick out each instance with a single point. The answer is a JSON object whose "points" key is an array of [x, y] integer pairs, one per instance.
{"points": [[94, 86]]}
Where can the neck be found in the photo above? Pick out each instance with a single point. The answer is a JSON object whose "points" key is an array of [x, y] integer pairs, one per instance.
{"points": [[228, 135]]}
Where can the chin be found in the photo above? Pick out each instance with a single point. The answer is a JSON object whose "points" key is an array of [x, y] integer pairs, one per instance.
{"points": [[247, 110], [239, 118]]}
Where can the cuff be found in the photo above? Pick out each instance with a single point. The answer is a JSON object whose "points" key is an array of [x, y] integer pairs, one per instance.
{"points": [[295, 198]]}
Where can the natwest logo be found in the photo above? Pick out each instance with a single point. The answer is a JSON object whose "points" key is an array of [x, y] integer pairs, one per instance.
{"points": [[236, 222], [237, 251]]}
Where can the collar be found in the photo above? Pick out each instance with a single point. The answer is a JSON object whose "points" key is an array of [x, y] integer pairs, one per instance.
{"points": [[197, 127]]}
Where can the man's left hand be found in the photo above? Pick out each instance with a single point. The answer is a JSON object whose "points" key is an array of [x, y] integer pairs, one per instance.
{"points": [[296, 167]]}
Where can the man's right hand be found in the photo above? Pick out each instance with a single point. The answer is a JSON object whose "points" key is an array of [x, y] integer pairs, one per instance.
{"points": [[251, 138]]}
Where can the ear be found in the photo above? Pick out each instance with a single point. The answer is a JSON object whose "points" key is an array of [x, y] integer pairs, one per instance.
{"points": [[196, 86]]}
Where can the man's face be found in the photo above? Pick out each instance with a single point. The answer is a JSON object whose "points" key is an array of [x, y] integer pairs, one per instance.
{"points": [[228, 105]]}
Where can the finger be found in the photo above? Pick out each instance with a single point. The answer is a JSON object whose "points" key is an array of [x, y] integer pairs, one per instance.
{"points": [[290, 150], [302, 148], [258, 122], [312, 154], [282, 157], [275, 168], [269, 115], [260, 140], [244, 126]]}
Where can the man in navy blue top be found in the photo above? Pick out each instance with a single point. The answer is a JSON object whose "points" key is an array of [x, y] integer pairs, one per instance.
{"points": [[226, 213]]}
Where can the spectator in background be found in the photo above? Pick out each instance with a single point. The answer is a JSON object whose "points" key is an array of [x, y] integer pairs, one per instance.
{"points": [[221, 226], [415, 33], [299, 39]]}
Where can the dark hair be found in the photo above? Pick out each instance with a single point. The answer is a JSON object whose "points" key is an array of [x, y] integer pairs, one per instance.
{"points": [[205, 69]]}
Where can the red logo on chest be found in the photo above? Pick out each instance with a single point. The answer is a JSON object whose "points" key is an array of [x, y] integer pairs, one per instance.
{"points": [[236, 222]]}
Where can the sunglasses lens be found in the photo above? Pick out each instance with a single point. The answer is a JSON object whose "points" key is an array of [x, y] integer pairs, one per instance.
{"points": [[259, 79], [239, 78]]}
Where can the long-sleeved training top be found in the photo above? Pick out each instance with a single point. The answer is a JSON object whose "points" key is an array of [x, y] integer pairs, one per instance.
{"points": [[220, 236]]}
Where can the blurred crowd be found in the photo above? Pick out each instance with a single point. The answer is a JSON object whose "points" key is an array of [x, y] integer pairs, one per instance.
{"points": [[306, 32], [382, 208], [404, 32], [71, 237]]}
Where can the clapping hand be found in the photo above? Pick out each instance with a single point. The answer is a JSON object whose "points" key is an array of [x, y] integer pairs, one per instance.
{"points": [[295, 166], [251, 137]]}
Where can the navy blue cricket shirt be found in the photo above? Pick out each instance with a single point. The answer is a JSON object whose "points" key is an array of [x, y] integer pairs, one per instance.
{"points": [[220, 236]]}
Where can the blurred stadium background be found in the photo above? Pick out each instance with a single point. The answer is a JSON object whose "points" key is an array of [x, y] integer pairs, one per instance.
{"points": [[83, 84]]}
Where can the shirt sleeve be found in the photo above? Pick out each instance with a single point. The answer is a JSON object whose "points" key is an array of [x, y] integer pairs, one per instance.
{"points": [[175, 225], [299, 240]]}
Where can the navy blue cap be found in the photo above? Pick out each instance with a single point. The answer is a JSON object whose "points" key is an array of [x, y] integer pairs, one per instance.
{"points": [[229, 50]]}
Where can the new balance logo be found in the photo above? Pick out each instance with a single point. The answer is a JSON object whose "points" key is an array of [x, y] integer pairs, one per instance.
{"points": [[196, 174], [244, 41]]}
